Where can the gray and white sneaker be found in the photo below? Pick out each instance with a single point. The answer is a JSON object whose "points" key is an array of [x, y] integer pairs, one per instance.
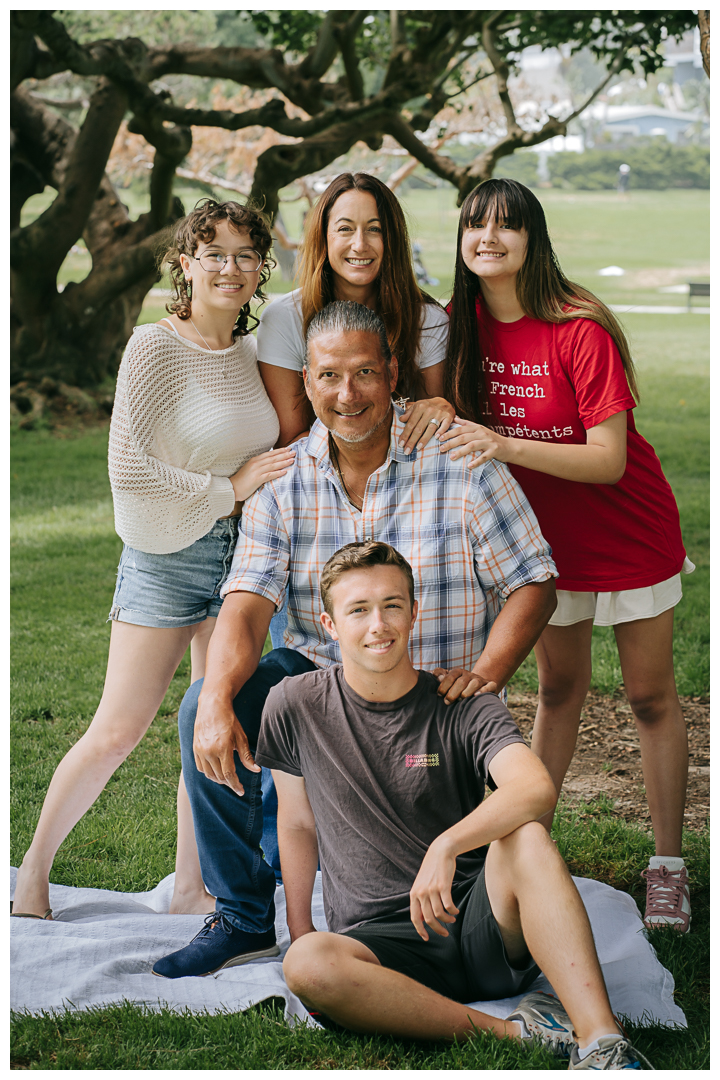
{"points": [[614, 1052], [546, 1022]]}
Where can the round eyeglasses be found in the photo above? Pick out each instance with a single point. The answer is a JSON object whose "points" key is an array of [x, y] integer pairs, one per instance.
{"points": [[213, 261]]}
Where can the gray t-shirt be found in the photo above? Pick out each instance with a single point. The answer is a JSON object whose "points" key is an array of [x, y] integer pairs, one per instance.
{"points": [[280, 340], [383, 779]]}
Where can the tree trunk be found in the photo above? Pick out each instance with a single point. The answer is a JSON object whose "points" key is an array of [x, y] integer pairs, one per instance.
{"points": [[704, 24], [80, 354], [76, 336]]}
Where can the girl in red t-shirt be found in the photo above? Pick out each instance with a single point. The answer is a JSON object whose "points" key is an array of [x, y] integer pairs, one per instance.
{"points": [[540, 372]]}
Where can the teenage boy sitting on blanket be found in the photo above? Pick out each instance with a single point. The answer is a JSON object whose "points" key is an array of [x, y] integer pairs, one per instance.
{"points": [[386, 781]]}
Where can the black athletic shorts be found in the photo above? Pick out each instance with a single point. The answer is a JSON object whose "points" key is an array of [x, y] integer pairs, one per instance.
{"points": [[468, 965]]}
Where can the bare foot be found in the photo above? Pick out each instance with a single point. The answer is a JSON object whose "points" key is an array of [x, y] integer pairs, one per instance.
{"points": [[32, 892], [192, 904]]}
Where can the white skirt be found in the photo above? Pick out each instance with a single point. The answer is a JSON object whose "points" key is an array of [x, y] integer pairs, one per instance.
{"points": [[627, 605]]}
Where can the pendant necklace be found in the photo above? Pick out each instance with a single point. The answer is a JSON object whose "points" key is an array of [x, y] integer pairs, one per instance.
{"points": [[346, 487], [211, 350]]}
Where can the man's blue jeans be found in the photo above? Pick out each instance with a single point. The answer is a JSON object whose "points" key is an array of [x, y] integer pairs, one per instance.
{"points": [[278, 626], [229, 827]]}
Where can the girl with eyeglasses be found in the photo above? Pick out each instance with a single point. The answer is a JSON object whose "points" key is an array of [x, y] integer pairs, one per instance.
{"points": [[190, 440], [541, 375]]}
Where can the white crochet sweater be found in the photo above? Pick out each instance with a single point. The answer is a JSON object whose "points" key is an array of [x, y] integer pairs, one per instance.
{"points": [[179, 429]]}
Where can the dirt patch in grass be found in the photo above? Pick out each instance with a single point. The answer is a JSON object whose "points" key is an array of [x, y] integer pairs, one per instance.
{"points": [[607, 756]]}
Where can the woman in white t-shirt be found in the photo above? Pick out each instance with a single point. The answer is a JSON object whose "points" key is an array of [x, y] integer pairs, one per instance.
{"points": [[356, 247], [190, 440]]}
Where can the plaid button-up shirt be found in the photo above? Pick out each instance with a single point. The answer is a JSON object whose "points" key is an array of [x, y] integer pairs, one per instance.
{"points": [[469, 535]]}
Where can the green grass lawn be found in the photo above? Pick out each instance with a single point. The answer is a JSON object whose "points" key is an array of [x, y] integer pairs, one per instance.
{"points": [[64, 556]]}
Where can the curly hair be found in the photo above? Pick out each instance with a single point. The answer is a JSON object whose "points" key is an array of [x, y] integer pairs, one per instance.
{"points": [[199, 227]]}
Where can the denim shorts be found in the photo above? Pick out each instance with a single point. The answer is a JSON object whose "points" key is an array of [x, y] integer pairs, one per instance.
{"points": [[179, 589]]}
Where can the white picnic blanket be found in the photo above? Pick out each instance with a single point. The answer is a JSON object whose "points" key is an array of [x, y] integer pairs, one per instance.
{"points": [[102, 944]]}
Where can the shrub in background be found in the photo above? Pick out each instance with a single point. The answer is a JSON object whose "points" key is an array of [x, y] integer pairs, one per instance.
{"points": [[654, 162], [522, 166]]}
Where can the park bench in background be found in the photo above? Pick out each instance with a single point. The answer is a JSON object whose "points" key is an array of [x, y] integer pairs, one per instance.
{"points": [[697, 288]]}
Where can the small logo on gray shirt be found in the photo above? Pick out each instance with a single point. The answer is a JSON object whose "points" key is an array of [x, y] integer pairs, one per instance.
{"points": [[421, 761]]}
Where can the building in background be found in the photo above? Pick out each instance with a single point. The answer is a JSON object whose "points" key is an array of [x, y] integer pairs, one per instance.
{"points": [[685, 58], [624, 121]]}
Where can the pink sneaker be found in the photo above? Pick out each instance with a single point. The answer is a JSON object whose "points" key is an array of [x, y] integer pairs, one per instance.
{"points": [[668, 899]]}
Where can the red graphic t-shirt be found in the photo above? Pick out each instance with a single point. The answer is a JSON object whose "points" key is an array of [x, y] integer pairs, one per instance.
{"points": [[552, 382]]}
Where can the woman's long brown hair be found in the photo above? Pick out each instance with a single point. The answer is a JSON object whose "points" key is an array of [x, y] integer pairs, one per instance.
{"points": [[399, 298], [542, 291]]}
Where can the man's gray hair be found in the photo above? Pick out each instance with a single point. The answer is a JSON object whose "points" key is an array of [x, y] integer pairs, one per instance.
{"points": [[345, 317]]}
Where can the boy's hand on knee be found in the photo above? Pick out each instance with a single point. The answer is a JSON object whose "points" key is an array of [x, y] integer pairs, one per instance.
{"points": [[431, 901]]}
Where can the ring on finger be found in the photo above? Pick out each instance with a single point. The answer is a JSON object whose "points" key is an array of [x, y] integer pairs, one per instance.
{"points": [[434, 422]]}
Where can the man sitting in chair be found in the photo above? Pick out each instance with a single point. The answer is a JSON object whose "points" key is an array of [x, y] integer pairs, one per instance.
{"points": [[433, 894]]}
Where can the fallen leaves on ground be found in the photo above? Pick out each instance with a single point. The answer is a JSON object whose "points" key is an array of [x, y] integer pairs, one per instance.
{"points": [[607, 755]]}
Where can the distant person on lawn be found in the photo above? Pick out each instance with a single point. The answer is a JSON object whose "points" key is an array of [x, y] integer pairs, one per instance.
{"points": [[386, 781], [485, 578], [540, 370]]}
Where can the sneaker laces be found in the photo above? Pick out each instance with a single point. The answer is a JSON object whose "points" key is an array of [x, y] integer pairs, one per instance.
{"points": [[216, 918], [560, 1044], [623, 1049], [666, 891]]}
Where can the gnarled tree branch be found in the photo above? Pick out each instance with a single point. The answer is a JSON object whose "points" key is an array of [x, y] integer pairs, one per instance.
{"points": [[346, 34], [172, 146], [397, 29], [319, 59], [62, 224], [441, 165], [501, 69], [612, 70], [111, 278], [279, 166], [39, 147]]}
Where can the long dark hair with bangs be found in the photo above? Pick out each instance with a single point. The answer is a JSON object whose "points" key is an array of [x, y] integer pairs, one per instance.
{"points": [[399, 297], [542, 291]]}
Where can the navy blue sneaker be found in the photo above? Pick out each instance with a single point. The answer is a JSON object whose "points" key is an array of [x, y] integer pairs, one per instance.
{"points": [[218, 945]]}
